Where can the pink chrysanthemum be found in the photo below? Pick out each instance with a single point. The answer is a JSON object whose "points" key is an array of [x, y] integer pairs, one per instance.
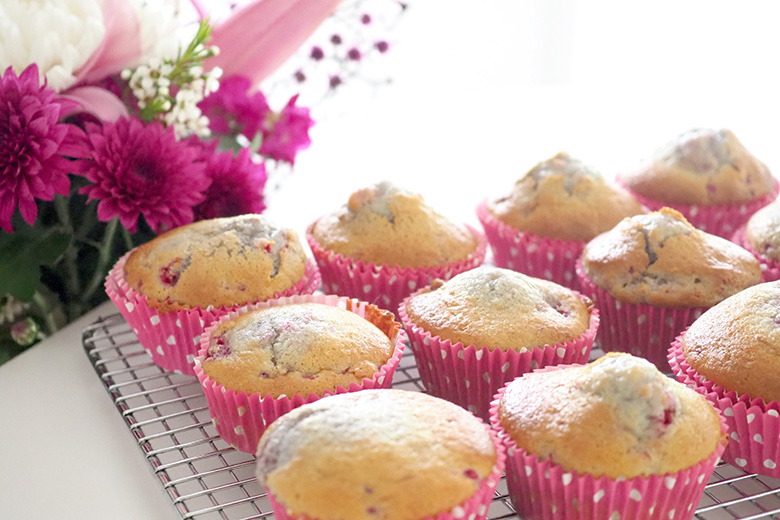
{"points": [[32, 145], [287, 133], [236, 184], [141, 169], [232, 111]]}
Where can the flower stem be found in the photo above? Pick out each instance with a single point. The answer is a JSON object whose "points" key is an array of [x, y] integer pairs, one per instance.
{"points": [[104, 256], [72, 279], [46, 311]]}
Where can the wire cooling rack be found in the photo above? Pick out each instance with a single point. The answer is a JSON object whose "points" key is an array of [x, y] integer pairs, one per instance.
{"points": [[206, 479]]}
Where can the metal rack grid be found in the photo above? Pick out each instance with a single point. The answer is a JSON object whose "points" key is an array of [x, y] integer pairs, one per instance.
{"points": [[206, 479]]}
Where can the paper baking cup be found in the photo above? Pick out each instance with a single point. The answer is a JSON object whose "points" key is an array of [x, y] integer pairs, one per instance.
{"points": [[382, 285], [172, 339], [717, 219], [542, 490], [639, 329], [770, 268], [469, 376], [241, 418], [754, 441], [473, 508], [531, 254]]}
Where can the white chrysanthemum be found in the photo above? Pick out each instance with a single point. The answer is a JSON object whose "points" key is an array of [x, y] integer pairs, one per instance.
{"points": [[58, 36], [163, 31]]}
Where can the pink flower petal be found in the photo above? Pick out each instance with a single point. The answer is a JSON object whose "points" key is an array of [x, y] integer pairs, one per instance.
{"points": [[97, 101], [121, 44], [259, 37]]}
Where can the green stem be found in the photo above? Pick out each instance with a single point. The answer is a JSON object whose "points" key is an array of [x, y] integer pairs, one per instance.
{"points": [[46, 310], [104, 256], [73, 284]]}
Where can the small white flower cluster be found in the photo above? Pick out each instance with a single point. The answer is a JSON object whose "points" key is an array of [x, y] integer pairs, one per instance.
{"points": [[152, 84], [11, 309]]}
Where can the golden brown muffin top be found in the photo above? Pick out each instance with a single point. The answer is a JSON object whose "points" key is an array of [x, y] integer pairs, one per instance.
{"points": [[386, 225], [390, 454], [763, 231], [618, 416], [217, 262], [701, 166], [500, 309], [298, 348], [566, 199], [659, 258], [736, 344]]}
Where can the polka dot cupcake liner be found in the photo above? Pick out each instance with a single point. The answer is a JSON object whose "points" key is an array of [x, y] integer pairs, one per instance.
{"points": [[639, 329], [473, 508], [754, 441], [384, 286], [531, 254], [542, 490], [770, 268], [469, 376], [717, 219], [172, 339], [240, 418]]}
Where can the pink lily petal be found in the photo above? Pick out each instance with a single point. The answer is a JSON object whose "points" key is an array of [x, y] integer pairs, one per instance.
{"points": [[96, 101], [259, 37], [120, 46]]}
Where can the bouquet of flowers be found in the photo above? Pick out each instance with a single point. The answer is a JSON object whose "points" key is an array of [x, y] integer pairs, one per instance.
{"points": [[126, 118]]}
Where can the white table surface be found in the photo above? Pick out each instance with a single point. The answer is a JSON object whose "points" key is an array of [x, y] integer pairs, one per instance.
{"points": [[481, 91]]}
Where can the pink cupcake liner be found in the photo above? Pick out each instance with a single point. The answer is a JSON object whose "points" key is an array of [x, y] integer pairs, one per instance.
{"points": [[473, 508], [639, 329], [469, 376], [172, 339], [717, 219], [382, 285], [541, 257], [542, 490], [241, 418], [754, 441], [770, 268]]}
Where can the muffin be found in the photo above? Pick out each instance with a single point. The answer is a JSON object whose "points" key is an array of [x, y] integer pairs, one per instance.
{"points": [[652, 275], [707, 175], [761, 236], [541, 225], [732, 355], [390, 454], [486, 326], [613, 439], [170, 288], [262, 360], [386, 242]]}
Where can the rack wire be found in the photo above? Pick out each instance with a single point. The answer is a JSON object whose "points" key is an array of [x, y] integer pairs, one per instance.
{"points": [[206, 479]]}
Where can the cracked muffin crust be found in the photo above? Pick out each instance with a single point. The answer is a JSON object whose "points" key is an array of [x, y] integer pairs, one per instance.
{"points": [[387, 454], [704, 167], [618, 416], [386, 225], [736, 344], [499, 309], [563, 198], [661, 259], [218, 262], [294, 349]]}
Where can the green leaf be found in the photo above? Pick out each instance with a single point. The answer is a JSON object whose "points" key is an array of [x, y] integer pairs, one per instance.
{"points": [[22, 254]]}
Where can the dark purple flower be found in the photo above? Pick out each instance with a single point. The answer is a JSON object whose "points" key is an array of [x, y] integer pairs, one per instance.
{"points": [[232, 111], [354, 54], [382, 46], [316, 53], [236, 187], [287, 133], [141, 169], [33, 145]]}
